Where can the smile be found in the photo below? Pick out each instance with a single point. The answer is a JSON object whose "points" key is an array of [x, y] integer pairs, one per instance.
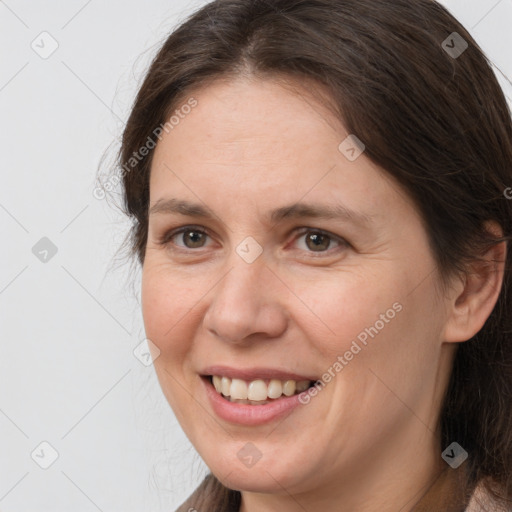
{"points": [[258, 391], [253, 396]]}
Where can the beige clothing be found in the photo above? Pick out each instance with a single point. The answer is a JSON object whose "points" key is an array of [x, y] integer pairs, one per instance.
{"points": [[441, 497]]}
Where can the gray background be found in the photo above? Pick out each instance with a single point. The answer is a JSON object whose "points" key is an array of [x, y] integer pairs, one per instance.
{"points": [[69, 325]]}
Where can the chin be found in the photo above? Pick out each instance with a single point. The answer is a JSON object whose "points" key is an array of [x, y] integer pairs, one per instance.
{"points": [[269, 475], [253, 480]]}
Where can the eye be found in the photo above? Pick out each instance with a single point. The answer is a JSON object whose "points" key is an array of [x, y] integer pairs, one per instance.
{"points": [[195, 237], [317, 240], [192, 237]]}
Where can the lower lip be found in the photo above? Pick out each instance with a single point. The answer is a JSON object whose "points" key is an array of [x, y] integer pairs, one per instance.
{"points": [[252, 415]]}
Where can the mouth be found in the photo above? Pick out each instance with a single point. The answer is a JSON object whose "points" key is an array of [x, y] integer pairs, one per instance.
{"points": [[259, 391], [254, 396]]}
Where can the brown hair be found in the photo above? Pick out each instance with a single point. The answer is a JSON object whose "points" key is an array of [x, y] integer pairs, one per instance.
{"points": [[438, 123]]}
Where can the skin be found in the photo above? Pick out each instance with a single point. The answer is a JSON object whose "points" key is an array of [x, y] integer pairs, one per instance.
{"points": [[368, 440]]}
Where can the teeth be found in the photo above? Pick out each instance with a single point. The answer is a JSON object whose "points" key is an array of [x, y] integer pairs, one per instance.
{"points": [[257, 391], [248, 402], [217, 382], [275, 389], [238, 389], [302, 386], [289, 388], [225, 386]]}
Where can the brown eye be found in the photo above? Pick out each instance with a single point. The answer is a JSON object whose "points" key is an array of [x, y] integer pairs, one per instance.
{"points": [[317, 241], [188, 237], [193, 239], [314, 240]]}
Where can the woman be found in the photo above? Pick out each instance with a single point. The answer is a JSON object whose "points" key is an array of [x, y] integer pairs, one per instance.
{"points": [[318, 196]]}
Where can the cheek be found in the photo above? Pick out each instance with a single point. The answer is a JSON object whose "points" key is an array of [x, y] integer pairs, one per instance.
{"points": [[340, 308], [167, 309], [169, 320], [392, 331], [372, 322]]}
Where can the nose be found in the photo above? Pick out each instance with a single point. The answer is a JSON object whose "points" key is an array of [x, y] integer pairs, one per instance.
{"points": [[247, 304]]}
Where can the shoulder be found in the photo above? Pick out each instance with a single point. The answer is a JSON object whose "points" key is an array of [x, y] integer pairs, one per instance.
{"points": [[483, 501]]}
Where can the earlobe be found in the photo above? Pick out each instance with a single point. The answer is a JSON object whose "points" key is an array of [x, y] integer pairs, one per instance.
{"points": [[473, 302]]}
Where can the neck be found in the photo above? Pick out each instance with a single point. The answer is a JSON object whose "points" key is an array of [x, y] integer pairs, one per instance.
{"points": [[409, 482], [449, 492]]}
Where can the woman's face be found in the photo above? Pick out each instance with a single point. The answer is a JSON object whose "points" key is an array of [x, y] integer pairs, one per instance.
{"points": [[264, 285]]}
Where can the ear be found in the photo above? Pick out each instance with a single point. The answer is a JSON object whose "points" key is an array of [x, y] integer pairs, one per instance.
{"points": [[475, 296]]}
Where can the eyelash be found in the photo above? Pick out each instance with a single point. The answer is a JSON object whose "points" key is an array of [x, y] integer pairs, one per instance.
{"points": [[166, 238]]}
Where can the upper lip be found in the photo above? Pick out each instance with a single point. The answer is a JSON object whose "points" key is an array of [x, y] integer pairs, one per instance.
{"points": [[250, 374]]}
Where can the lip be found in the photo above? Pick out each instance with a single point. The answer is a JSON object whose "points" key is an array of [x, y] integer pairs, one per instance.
{"points": [[251, 374], [249, 415]]}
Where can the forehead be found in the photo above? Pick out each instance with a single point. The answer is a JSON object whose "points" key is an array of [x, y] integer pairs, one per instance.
{"points": [[241, 117], [267, 143]]}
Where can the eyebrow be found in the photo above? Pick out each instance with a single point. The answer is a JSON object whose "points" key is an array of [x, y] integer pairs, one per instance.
{"points": [[293, 211]]}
